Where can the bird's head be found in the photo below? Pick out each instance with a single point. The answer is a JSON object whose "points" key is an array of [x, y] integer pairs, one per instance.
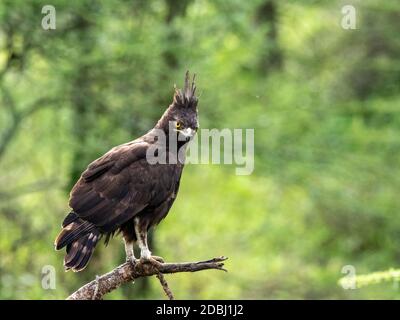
{"points": [[181, 116]]}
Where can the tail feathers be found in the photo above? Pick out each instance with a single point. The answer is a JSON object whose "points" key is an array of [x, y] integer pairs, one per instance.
{"points": [[73, 232], [71, 217], [80, 251]]}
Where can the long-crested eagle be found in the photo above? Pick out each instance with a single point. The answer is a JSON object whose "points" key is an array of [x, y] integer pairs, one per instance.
{"points": [[122, 191]]}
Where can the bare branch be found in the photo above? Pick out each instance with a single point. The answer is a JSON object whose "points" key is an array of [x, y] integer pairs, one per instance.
{"points": [[128, 272], [165, 286]]}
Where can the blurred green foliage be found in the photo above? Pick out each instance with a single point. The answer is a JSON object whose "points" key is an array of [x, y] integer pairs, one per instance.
{"points": [[324, 103]]}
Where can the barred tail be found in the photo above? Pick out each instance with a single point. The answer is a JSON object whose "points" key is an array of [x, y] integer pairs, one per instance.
{"points": [[80, 237]]}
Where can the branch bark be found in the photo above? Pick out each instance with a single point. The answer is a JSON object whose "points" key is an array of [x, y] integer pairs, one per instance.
{"points": [[126, 272]]}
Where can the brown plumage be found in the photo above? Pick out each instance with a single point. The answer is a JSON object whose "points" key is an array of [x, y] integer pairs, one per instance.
{"points": [[122, 191]]}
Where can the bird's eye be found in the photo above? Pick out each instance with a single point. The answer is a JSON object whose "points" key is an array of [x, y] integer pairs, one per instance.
{"points": [[178, 125]]}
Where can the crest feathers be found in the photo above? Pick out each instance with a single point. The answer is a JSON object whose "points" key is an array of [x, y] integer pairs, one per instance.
{"points": [[186, 98]]}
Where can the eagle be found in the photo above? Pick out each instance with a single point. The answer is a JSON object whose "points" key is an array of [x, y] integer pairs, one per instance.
{"points": [[125, 191]]}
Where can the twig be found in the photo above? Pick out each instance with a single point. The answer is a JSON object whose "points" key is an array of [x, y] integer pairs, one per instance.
{"points": [[165, 286], [127, 272]]}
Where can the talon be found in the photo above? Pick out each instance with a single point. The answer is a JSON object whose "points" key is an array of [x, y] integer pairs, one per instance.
{"points": [[151, 260], [158, 259], [132, 260]]}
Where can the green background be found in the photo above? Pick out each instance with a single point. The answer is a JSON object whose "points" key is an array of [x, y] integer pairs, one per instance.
{"points": [[324, 103]]}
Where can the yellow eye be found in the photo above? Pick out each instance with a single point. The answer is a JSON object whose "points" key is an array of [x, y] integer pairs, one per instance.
{"points": [[179, 125]]}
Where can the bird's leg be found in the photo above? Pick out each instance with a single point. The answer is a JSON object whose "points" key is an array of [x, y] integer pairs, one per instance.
{"points": [[145, 253], [130, 255], [141, 236]]}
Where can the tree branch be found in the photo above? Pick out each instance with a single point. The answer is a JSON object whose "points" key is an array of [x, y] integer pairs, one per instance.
{"points": [[126, 272], [165, 286]]}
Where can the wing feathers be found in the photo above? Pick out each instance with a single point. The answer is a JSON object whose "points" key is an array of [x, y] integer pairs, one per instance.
{"points": [[92, 174], [71, 217], [112, 190]]}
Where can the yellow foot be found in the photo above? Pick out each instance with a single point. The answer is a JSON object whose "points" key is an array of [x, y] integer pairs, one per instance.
{"points": [[153, 260], [132, 260], [157, 258]]}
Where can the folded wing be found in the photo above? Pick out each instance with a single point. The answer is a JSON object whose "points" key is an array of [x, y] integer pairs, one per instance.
{"points": [[113, 188]]}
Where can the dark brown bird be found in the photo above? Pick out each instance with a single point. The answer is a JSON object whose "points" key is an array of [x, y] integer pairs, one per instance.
{"points": [[125, 190]]}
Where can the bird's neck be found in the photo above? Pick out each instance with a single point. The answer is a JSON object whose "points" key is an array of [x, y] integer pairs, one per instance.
{"points": [[163, 123]]}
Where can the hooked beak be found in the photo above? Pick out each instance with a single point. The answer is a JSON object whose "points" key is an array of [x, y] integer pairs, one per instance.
{"points": [[187, 133]]}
